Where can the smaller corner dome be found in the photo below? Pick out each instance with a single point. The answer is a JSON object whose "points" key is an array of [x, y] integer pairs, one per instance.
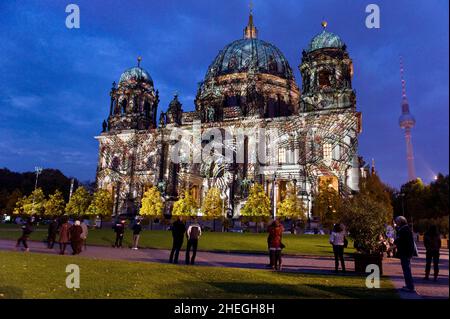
{"points": [[174, 104], [137, 74], [326, 39]]}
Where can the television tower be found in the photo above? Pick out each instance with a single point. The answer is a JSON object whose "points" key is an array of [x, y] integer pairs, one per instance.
{"points": [[407, 122]]}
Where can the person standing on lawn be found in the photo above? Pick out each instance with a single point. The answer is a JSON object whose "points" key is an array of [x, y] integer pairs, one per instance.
{"points": [[337, 239], [75, 237], [84, 234], [193, 233], [405, 251], [119, 229], [276, 230], [64, 235], [27, 229], [52, 231], [137, 228], [432, 242], [178, 231]]}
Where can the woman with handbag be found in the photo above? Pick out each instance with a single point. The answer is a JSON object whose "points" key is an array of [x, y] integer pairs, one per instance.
{"points": [[275, 245], [339, 242]]}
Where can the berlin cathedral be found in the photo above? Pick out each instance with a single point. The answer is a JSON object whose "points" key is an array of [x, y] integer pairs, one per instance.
{"points": [[302, 136]]}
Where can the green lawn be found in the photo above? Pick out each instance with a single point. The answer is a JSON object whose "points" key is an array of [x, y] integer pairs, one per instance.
{"points": [[210, 241], [33, 275]]}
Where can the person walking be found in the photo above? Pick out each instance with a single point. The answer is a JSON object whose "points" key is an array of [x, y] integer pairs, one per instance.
{"points": [[52, 231], [432, 242], [193, 233], [338, 240], [119, 229], [405, 251], [275, 245], [75, 237], [178, 231], [137, 228], [64, 236], [84, 234], [27, 229]]}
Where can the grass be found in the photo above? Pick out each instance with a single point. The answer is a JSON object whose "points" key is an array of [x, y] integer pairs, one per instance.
{"points": [[42, 276], [315, 245]]}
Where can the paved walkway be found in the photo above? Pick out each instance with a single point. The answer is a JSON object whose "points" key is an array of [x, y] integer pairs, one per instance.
{"points": [[301, 264]]}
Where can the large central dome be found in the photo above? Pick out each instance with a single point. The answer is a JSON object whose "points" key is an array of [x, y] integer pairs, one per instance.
{"points": [[250, 54]]}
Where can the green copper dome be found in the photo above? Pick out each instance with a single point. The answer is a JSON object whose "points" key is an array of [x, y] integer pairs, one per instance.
{"points": [[326, 39], [250, 53], [137, 74]]}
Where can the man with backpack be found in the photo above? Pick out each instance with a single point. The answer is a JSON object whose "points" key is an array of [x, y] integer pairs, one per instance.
{"points": [[119, 229], [193, 234]]}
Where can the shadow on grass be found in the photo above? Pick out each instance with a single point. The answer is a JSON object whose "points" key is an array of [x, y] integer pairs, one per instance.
{"points": [[10, 292], [358, 292], [286, 291]]}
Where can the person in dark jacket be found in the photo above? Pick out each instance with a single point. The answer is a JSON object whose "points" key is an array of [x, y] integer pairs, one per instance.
{"points": [[75, 237], [137, 228], [432, 242], [405, 250], [52, 231], [27, 229], [64, 236], [119, 229], [178, 230]]}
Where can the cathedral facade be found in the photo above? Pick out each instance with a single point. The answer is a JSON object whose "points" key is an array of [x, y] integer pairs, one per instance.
{"points": [[251, 124]]}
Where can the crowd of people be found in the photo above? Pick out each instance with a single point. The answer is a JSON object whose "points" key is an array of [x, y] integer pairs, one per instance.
{"points": [[398, 243], [73, 234]]}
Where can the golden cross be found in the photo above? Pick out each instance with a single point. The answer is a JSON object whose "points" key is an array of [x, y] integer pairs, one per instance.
{"points": [[250, 5]]}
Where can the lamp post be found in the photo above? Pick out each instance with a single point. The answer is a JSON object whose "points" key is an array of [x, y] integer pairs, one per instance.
{"points": [[402, 195], [38, 171], [273, 195]]}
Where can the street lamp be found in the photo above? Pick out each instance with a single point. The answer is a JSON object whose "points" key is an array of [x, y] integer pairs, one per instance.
{"points": [[274, 178], [38, 171], [402, 195]]}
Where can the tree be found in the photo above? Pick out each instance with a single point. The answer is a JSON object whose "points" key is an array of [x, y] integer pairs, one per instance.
{"points": [[212, 207], [102, 204], [55, 205], [31, 205], [291, 207], [257, 207], [79, 202], [366, 214], [13, 198], [152, 204], [365, 220], [327, 204], [185, 205]]}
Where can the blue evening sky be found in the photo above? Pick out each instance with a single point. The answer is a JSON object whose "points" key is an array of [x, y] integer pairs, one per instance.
{"points": [[54, 82]]}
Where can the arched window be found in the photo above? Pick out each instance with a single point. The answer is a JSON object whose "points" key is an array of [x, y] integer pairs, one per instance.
{"points": [[324, 78], [123, 106], [115, 163]]}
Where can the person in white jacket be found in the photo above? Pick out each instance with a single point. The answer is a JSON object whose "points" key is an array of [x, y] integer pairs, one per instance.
{"points": [[338, 240], [193, 233]]}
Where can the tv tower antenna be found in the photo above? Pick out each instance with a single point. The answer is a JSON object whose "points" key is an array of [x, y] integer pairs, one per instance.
{"points": [[407, 122]]}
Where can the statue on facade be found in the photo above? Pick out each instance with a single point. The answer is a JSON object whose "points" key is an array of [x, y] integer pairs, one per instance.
{"points": [[104, 126], [162, 119], [210, 114]]}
